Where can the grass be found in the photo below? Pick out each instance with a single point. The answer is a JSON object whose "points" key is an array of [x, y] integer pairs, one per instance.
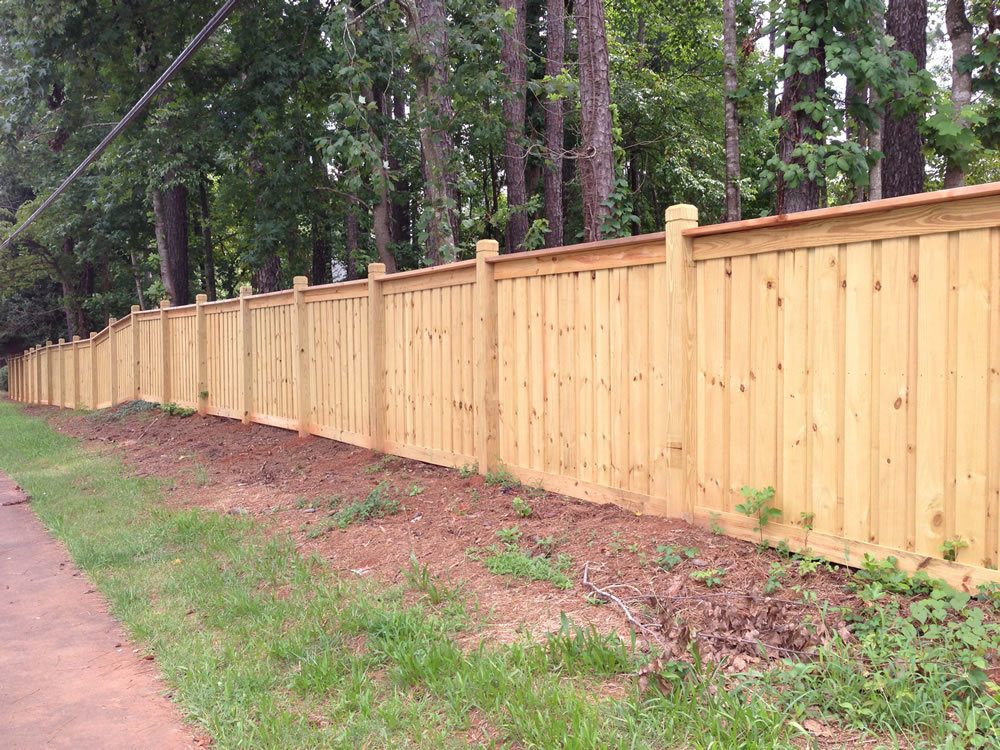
{"points": [[378, 504], [266, 649]]}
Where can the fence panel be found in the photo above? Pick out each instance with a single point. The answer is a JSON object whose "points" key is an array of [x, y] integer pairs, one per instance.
{"points": [[274, 395], [223, 381], [102, 370], [182, 342], [125, 360], [429, 322], [337, 328], [863, 385]]}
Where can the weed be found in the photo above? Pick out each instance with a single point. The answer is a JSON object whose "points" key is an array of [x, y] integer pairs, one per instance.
{"points": [[713, 523], [378, 504], [200, 476], [521, 507], [775, 575], [515, 562], [510, 535], [419, 578], [886, 576], [989, 593], [709, 578], [467, 471], [384, 463], [203, 395], [501, 477], [757, 506], [547, 544], [414, 490], [123, 411], [669, 558], [174, 410], [950, 548]]}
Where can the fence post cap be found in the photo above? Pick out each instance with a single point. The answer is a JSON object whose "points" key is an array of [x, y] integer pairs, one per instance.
{"points": [[48, 342], [376, 269], [681, 212], [164, 304], [135, 308], [62, 341], [300, 282], [112, 320], [487, 247], [246, 290], [200, 299], [93, 334], [75, 339]]}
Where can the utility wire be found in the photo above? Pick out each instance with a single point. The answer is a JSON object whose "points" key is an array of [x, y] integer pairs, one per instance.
{"points": [[220, 16]]}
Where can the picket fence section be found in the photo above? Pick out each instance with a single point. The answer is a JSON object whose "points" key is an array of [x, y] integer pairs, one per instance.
{"points": [[847, 357]]}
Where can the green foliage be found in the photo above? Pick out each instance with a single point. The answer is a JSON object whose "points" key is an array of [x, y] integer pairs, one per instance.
{"points": [[709, 578], [414, 490], [379, 503], [174, 410], [466, 471], [757, 506], [521, 507], [512, 561], [951, 547], [501, 477], [510, 535], [4, 375], [384, 463], [668, 557]]}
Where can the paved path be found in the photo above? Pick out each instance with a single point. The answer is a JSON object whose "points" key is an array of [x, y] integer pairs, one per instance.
{"points": [[68, 676]]}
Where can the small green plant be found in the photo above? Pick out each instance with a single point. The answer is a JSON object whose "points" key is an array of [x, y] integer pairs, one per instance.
{"points": [[378, 504], [419, 578], [203, 395], [174, 410], [709, 578], [713, 523], [547, 544], [201, 478], [989, 593], [467, 471], [950, 548], [890, 578], [513, 561], [757, 506], [414, 490], [775, 577], [501, 477], [510, 535], [668, 557], [381, 465], [521, 507]]}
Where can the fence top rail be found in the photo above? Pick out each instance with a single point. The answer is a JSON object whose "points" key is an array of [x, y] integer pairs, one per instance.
{"points": [[854, 209], [615, 244]]}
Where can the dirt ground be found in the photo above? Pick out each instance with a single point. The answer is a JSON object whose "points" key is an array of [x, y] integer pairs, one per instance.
{"points": [[69, 678], [290, 484]]}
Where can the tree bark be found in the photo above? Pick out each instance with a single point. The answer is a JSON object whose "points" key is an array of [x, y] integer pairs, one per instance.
{"points": [[597, 168], [732, 127], [515, 67], [352, 235], [903, 165], [960, 33], [797, 128], [552, 179], [207, 251], [429, 37], [267, 276], [382, 214], [170, 212]]}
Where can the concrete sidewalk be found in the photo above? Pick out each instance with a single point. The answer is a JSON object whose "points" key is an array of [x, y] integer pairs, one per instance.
{"points": [[68, 676]]}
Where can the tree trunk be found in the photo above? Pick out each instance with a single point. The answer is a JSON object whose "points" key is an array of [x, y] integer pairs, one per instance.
{"points": [[429, 37], [352, 234], [552, 179], [267, 277], [903, 165], [401, 221], [771, 90], [515, 68], [797, 128], [137, 278], [733, 211], [597, 168], [207, 251], [170, 211], [856, 131], [960, 33], [322, 251], [382, 214]]}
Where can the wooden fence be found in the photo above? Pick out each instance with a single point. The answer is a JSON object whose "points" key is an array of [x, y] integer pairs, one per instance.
{"points": [[848, 357]]}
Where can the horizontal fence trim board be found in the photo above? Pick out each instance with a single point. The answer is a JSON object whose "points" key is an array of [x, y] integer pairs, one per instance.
{"points": [[584, 490], [285, 423], [619, 243], [847, 551], [221, 306], [431, 270], [343, 436], [596, 258], [350, 290], [925, 219], [394, 284], [219, 411], [268, 301], [429, 455], [187, 311], [854, 209]]}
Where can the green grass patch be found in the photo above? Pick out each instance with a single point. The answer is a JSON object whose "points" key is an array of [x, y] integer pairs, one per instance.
{"points": [[511, 560], [378, 504]]}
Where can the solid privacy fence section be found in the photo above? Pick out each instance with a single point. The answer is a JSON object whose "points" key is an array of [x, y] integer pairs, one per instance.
{"points": [[847, 357]]}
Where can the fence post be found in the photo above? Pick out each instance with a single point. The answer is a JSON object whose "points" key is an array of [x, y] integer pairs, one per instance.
{"points": [[113, 356], [93, 369], [38, 375], [201, 351], [49, 375], [486, 399], [300, 362], [245, 348], [61, 359], [376, 355], [165, 394], [76, 372], [134, 328], [683, 330]]}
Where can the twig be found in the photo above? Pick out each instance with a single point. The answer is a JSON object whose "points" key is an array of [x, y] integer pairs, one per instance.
{"points": [[609, 597]]}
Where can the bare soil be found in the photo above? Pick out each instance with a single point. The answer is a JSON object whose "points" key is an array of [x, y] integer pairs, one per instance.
{"points": [[289, 484]]}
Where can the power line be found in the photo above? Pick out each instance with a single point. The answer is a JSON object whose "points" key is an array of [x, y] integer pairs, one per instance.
{"points": [[202, 36]]}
